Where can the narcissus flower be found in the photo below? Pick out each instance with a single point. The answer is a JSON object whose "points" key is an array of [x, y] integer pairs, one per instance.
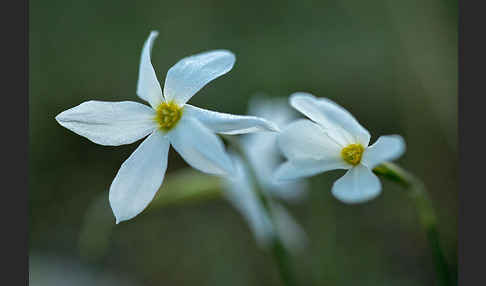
{"points": [[334, 139], [170, 121]]}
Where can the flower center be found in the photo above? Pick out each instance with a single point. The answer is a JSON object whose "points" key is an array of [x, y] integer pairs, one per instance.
{"points": [[167, 115], [352, 153]]}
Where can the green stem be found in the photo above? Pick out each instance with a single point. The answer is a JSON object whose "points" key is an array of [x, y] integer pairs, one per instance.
{"points": [[280, 253], [282, 259], [425, 212]]}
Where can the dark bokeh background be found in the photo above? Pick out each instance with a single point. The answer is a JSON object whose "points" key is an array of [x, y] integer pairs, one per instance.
{"points": [[391, 63]]}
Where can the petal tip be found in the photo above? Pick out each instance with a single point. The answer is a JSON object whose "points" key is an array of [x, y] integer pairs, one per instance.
{"points": [[295, 97], [402, 144], [63, 119], [232, 57], [300, 94], [400, 139], [268, 126], [359, 201], [273, 127], [154, 34], [119, 219], [58, 118], [228, 52]]}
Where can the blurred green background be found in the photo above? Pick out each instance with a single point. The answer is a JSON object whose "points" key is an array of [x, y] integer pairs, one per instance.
{"points": [[391, 63]]}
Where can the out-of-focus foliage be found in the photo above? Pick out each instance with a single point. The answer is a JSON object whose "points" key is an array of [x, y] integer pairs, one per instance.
{"points": [[391, 63]]}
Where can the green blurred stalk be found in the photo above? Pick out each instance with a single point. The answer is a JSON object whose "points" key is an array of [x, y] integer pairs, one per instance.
{"points": [[425, 211], [281, 255], [186, 186]]}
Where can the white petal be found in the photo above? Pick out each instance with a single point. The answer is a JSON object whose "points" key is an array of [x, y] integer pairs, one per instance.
{"points": [[200, 147], [292, 170], [148, 87], [358, 185], [139, 177], [335, 119], [304, 139], [225, 123], [386, 148], [239, 191], [109, 123], [191, 74]]}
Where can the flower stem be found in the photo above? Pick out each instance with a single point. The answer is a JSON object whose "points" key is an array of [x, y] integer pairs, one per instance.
{"points": [[283, 260], [425, 211], [280, 253]]}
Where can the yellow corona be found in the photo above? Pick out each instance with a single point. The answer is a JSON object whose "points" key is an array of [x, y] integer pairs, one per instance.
{"points": [[167, 115], [352, 154]]}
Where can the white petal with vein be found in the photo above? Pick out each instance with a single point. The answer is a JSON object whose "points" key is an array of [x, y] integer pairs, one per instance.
{"points": [[148, 87], [109, 123], [191, 74], [225, 123], [304, 139], [358, 185], [386, 148], [139, 177], [335, 119]]}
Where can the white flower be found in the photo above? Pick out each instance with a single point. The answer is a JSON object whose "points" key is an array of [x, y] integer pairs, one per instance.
{"points": [[334, 140], [170, 121], [263, 156]]}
